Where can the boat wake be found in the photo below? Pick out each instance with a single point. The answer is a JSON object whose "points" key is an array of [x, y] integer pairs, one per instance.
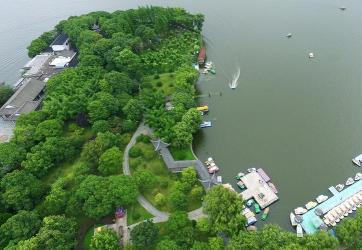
{"points": [[234, 82]]}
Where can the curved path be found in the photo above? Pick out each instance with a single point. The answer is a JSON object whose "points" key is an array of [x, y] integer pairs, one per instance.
{"points": [[159, 216]]}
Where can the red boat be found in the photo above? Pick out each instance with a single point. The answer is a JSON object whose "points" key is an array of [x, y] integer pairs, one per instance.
{"points": [[202, 56]]}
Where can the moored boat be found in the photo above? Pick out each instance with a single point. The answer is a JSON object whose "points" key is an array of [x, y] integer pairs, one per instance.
{"points": [[349, 181], [311, 55], [213, 169], [212, 71], [239, 175], [299, 231], [250, 202], [209, 161], [219, 179], [357, 160], [250, 170], [321, 198], [310, 205], [251, 221], [342, 8], [206, 124], [339, 187], [292, 219], [272, 186], [358, 177], [300, 210], [265, 214], [257, 208], [289, 35], [240, 185]]}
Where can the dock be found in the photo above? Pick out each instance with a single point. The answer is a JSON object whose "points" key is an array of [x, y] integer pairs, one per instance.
{"points": [[311, 220], [263, 174], [258, 189]]}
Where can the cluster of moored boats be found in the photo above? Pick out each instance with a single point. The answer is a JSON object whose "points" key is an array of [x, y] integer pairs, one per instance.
{"points": [[251, 215], [203, 111], [211, 166], [209, 68]]}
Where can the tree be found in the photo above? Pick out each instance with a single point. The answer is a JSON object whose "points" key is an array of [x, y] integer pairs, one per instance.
{"points": [[129, 62], [216, 243], [349, 232], [5, 93], [203, 225], [182, 135], [199, 245], [101, 126], [106, 239], [57, 232], [99, 196], [55, 202], [178, 200], [224, 210], [184, 98], [167, 245], [21, 190], [160, 200], [133, 110], [49, 128], [197, 192], [11, 155], [110, 161], [144, 235], [188, 178], [180, 229], [102, 106], [193, 119], [21, 226], [145, 180]]}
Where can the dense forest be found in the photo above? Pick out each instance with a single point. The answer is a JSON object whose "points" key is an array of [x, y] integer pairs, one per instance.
{"points": [[62, 170]]}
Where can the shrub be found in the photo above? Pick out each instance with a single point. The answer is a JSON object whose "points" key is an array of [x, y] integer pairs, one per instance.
{"points": [[159, 84], [143, 138], [163, 183], [135, 152], [197, 192], [160, 200], [101, 126], [156, 76]]}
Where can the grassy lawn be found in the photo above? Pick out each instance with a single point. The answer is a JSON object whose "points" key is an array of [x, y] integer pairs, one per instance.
{"points": [[137, 213], [182, 154], [152, 161], [164, 82]]}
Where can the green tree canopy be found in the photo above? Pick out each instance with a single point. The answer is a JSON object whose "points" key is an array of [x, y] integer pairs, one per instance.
{"points": [[106, 239], [144, 235], [5, 93], [110, 161]]}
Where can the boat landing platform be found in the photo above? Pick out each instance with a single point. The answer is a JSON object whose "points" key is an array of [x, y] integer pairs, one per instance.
{"points": [[258, 189]]}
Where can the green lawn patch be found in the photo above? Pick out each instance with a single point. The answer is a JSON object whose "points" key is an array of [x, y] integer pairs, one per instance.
{"points": [[146, 159], [164, 82], [182, 154], [136, 213]]}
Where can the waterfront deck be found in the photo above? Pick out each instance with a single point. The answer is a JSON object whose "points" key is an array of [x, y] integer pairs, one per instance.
{"points": [[310, 219], [258, 189]]}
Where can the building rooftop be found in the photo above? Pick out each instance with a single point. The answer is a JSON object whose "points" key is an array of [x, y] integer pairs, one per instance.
{"points": [[60, 40], [24, 100], [258, 189]]}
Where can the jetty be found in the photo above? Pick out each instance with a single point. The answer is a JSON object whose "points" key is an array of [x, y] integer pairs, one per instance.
{"points": [[258, 189], [312, 222]]}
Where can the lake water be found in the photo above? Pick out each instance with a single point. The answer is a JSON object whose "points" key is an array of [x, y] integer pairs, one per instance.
{"points": [[299, 119]]}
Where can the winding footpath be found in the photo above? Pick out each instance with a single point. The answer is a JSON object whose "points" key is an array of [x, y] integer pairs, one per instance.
{"points": [[159, 216]]}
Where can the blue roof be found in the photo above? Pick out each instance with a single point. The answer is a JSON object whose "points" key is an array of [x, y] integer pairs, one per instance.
{"points": [[311, 220]]}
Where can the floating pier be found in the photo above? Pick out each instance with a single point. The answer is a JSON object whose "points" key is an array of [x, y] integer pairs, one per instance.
{"points": [[312, 222], [258, 189]]}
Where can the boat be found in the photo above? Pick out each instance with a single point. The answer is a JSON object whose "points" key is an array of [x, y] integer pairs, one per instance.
{"points": [[212, 71], [321, 198], [349, 181], [250, 170], [251, 221], [311, 55], [240, 185], [289, 35], [357, 160], [202, 56], [342, 8], [245, 211], [203, 109], [206, 124], [300, 210], [358, 177], [249, 214], [257, 208], [213, 169], [219, 179], [234, 82], [292, 219], [239, 175], [299, 231], [339, 187], [209, 161], [310, 205], [205, 71], [272, 186], [250, 202], [265, 214]]}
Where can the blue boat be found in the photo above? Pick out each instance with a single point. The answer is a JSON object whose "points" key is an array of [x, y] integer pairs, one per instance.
{"points": [[206, 124]]}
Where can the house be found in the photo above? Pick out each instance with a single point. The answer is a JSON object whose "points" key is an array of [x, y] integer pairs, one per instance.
{"points": [[26, 99], [60, 43], [35, 65]]}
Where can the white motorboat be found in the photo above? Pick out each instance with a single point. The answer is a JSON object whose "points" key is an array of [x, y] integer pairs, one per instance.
{"points": [[339, 187], [357, 160], [299, 231], [358, 177], [292, 219], [250, 170], [206, 124], [213, 169], [311, 55], [310, 205], [333, 223], [300, 210], [289, 35], [321, 198], [219, 179], [209, 161], [344, 209], [349, 181], [342, 8]]}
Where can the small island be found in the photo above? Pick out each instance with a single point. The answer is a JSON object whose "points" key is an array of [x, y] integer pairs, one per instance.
{"points": [[101, 155]]}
